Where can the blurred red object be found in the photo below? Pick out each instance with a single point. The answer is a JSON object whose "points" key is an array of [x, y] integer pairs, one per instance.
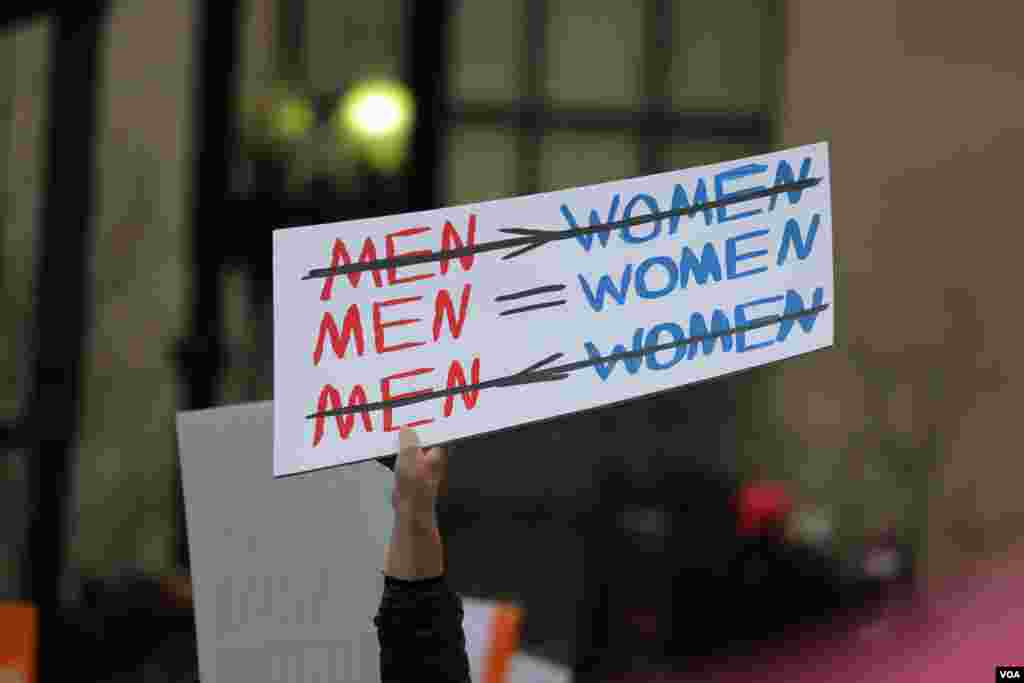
{"points": [[762, 507]]}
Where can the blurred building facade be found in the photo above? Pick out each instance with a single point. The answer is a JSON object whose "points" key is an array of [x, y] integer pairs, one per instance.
{"points": [[914, 409], [907, 422]]}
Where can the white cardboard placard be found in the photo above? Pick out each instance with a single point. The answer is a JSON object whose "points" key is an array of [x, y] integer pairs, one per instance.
{"points": [[744, 280], [286, 573]]}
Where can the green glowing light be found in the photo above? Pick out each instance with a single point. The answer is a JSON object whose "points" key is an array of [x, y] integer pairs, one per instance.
{"points": [[293, 117], [378, 109]]}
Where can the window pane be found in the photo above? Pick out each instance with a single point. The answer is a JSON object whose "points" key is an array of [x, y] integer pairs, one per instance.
{"points": [[719, 56], [351, 41], [24, 101], [596, 55], [687, 154], [570, 159], [487, 50], [481, 165]]}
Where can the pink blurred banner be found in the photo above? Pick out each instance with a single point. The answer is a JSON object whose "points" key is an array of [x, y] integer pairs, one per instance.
{"points": [[959, 632]]}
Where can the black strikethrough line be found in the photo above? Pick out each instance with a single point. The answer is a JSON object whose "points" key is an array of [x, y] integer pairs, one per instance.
{"points": [[536, 373], [533, 238]]}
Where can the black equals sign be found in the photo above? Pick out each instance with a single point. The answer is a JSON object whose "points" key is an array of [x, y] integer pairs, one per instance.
{"points": [[532, 292]]}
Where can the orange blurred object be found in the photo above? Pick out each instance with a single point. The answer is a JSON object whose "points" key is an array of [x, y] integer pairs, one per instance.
{"points": [[18, 639], [505, 632]]}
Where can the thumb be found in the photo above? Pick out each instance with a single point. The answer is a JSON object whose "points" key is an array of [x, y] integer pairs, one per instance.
{"points": [[408, 443]]}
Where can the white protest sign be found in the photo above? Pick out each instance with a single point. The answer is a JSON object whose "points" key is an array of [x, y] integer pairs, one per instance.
{"points": [[472, 319], [286, 573]]}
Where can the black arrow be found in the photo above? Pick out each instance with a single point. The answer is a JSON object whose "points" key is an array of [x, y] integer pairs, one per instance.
{"points": [[536, 237], [538, 373], [527, 376]]}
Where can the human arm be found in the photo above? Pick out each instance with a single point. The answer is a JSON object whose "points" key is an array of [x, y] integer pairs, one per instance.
{"points": [[419, 623], [415, 551]]}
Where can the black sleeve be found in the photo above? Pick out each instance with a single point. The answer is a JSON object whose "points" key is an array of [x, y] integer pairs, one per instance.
{"points": [[419, 626]]}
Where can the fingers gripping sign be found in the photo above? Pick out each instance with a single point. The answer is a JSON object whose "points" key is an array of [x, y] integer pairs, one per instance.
{"points": [[415, 550], [418, 475]]}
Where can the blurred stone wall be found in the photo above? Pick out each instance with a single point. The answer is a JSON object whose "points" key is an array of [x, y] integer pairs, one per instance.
{"points": [[125, 505], [922, 110], [123, 510]]}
